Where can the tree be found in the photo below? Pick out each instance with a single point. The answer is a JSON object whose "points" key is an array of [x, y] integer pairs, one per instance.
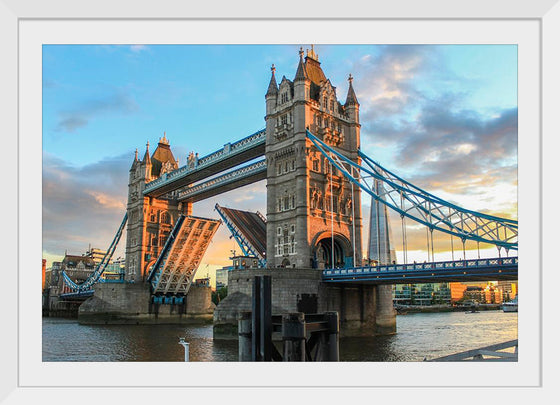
{"points": [[219, 295]]}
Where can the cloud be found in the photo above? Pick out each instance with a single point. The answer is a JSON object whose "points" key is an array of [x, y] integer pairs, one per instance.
{"points": [[119, 102], [415, 115], [450, 148], [82, 205], [85, 205]]}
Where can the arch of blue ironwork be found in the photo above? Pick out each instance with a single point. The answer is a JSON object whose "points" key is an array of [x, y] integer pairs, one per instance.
{"points": [[425, 208], [96, 274]]}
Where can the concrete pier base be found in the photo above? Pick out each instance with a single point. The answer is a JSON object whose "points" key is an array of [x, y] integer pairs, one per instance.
{"points": [[131, 304], [385, 313], [364, 310]]}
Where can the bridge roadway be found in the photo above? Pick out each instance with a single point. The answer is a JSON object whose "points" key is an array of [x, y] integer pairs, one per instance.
{"points": [[504, 268], [476, 270], [231, 155]]}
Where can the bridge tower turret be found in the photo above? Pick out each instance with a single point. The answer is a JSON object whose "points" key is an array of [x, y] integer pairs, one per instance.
{"points": [[272, 93], [150, 220], [312, 220]]}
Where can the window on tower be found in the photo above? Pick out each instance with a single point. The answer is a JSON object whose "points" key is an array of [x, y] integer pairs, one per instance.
{"points": [[315, 165], [165, 219]]}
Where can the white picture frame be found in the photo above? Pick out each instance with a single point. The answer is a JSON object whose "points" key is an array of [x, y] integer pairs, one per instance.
{"points": [[21, 380]]}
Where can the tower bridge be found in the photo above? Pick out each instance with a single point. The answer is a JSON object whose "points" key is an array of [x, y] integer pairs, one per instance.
{"points": [[311, 239]]}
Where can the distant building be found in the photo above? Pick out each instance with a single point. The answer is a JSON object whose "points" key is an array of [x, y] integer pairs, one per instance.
{"points": [[489, 294], [43, 271], [457, 291], [222, 277], [96, 254], [509, 289], [52, 274], [422, 294], [78, 268]]}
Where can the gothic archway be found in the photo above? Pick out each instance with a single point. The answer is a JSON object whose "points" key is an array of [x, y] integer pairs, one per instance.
{"points": [[331, 249]]}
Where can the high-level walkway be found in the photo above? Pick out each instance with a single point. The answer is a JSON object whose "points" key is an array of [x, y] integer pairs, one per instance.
{"points": [[231, 155]]}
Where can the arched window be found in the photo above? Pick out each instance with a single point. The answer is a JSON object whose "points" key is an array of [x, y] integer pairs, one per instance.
{"points": [[165, 218]]}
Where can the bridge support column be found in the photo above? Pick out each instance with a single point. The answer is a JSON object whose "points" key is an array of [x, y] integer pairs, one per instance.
{"points": [[385, 314]]}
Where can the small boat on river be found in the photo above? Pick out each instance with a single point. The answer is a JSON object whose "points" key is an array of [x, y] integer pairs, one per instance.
{"points": [[510, 306]]}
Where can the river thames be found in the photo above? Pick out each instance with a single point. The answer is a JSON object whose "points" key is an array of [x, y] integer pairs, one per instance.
{"points": [[419, 336]]}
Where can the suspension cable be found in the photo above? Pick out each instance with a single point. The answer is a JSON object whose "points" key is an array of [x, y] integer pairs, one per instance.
{"points": [[332, 217], [377, 223], [451, 237], [432, 237], [403, 224], [452, 253], [428, 243]]}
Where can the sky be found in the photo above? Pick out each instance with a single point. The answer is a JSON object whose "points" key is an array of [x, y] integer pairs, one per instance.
{"points": [[443, 117]]}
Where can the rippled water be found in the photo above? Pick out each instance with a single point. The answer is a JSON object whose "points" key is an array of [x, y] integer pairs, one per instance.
{"points": [[418, 336]]}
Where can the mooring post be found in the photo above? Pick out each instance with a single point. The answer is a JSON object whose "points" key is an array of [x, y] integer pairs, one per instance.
{"points": [[293, 336], [186, 346], [256, 324], [266, 318], [333, 339], [244, 326]]}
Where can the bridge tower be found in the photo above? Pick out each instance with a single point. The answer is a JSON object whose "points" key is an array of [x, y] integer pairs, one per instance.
{"points": [[150, 220], [313, 212]]}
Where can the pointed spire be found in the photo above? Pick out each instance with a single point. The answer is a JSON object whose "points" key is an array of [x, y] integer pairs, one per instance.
{"points": [[147, 154], [312, 55], [164, 139], [301, 72], [135, 161], [272, 86], [351, 98]]}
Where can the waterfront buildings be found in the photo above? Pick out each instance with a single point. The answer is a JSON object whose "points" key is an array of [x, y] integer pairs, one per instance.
{"points": [[421, 294], [452, 293]]}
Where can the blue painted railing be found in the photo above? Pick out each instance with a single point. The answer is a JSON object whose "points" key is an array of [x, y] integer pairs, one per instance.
{"points": [[411, 268]]}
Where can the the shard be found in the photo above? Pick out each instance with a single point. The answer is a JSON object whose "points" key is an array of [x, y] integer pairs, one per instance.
{"points": [[380, 245]]}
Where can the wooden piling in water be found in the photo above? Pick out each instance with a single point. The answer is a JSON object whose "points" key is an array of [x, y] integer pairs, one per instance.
{"points": [[293, 336], [245, 326], [333, 336]]}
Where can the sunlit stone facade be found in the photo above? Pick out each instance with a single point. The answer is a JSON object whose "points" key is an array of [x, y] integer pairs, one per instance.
{"points": [[150, 220], [312, 221]]}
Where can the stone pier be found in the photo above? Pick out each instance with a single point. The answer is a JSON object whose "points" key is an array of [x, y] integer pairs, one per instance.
{"points": [[130, 303], [363, 310]]}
